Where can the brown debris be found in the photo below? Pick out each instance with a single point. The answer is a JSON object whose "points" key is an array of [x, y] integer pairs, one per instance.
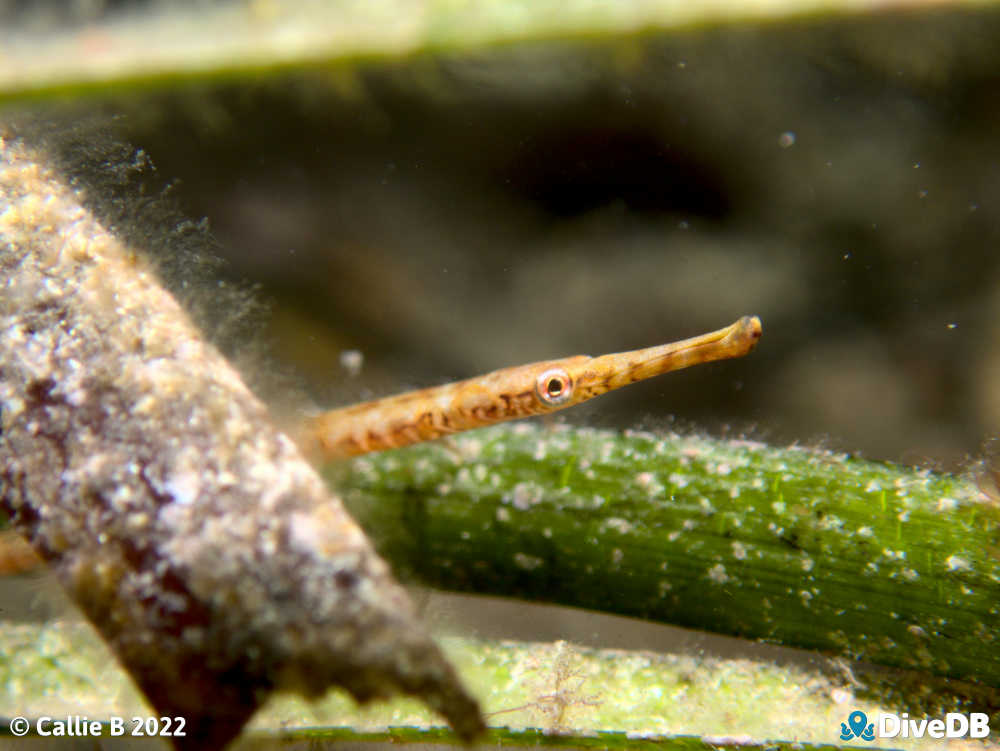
{"points": [[16, 556], [193, 534]]}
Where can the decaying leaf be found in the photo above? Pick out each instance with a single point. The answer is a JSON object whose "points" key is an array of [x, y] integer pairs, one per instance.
{"points": [[189, 529]]}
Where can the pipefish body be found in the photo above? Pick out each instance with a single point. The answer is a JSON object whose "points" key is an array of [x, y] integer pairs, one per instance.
{"points": [[512, 393]]}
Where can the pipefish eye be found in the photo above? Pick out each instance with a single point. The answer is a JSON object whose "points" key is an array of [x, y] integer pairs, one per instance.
{"points": [[554, 387]]}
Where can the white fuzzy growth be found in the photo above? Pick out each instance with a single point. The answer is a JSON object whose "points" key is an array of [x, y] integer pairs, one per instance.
{"points": [[717, 574], [957, 563]]}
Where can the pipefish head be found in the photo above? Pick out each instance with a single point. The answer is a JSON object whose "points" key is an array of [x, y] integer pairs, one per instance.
{"points": [[562, 383], [556, 384]]}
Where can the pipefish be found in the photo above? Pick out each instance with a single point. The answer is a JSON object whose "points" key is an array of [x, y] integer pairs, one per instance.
{"points": [[512, 393]]}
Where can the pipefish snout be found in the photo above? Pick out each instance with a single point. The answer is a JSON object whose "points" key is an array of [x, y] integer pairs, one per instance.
{"points": [[512, 393]]}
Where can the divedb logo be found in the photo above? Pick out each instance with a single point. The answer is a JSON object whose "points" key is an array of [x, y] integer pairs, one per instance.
{"points": [[954, 725], [857, 726]]}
